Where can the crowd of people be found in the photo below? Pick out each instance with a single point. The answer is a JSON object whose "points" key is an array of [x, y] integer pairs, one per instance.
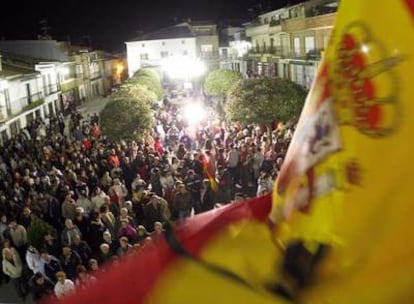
{"points": [[105, 200]]}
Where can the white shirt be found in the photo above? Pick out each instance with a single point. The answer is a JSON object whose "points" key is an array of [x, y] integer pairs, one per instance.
{"points": [[64, 289]]}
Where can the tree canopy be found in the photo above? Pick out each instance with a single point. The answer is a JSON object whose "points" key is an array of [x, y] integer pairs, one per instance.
{"points": [[265, 100], [147, 72], [125, 117], [148, 78], [219, 82]]}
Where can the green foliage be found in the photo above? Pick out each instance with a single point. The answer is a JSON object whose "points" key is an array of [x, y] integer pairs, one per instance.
{"points": [[37, 230], [265, 100], [34, 104], [219, 82], [136, 91], [147, 72], [148, 78], [125, 117]]}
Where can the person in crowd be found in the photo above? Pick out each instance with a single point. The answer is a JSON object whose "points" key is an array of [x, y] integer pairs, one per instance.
{"points": [[96, 231], [70, 232], [265, 183], [12, 267], [69, 207], [223, 180], [82, 248], [41, 288], [63, 286], [108, 219], [207, 196], [127, 230], [153, 211], [84, 279], [33, 259], [69, 260], [193, 183], [52, 245], [158, 229], [98, 199], [125, 247], [106, 253], [142, 233], [113, 243], [81, 221], [183, 202], [49, 265], [18, 235]]}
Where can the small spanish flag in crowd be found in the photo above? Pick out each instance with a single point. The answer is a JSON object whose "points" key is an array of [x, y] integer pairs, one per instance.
{"points": [[338, 228]]}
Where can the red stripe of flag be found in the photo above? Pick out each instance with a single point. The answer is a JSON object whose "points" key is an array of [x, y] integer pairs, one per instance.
{"points": [[410, 4], [136, 276]]}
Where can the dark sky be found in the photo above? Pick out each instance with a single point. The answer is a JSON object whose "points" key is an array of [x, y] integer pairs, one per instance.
{"points": [[110, 23]]}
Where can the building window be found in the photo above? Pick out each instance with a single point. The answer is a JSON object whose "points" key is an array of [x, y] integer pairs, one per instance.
{"points": [[144, 56], [6, 95], [143, 45], [163, 43], [309, 44], [185, 53], [164, 54], [296, 46], [182, 41]]}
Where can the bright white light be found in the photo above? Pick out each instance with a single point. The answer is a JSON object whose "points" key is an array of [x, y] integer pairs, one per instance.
{"points": [[194, 113], [64, 70], [183, 67], [365, 48], [241, 47], [3, 84]]}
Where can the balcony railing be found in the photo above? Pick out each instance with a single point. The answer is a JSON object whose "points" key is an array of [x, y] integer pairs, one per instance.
{"points": [[94, 75], [34, 97], [275, 22], [50, 89], [320, 10], [314, 54]]}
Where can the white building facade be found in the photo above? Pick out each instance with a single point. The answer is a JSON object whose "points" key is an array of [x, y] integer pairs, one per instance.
{"points": [[195, 41]]}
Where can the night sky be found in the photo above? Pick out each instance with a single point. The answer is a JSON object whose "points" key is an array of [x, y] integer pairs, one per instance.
{"points": [[107, 24]]}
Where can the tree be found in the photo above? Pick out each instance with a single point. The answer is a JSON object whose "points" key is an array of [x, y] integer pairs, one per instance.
{"points": [[219, 82], [137, 91], [150, 79], [264, 101], [125, 117], [147, 72], [37, 230]]}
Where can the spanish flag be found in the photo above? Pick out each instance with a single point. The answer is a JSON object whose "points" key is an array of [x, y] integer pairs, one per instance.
{"points": [[342, 205], [338, 226]]}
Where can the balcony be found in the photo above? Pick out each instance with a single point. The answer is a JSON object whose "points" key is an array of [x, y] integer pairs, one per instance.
{"points": [[94, 75], [50, 89], [309, 23], [314, 54], [34, 97], [327, 8]]}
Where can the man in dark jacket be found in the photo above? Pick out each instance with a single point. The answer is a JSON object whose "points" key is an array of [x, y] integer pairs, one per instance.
{"points": [[40, 287], [183, 202], [70, 260]]}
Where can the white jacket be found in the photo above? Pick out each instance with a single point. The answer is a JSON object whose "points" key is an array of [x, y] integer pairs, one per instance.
{"points": [[14, 271]]}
